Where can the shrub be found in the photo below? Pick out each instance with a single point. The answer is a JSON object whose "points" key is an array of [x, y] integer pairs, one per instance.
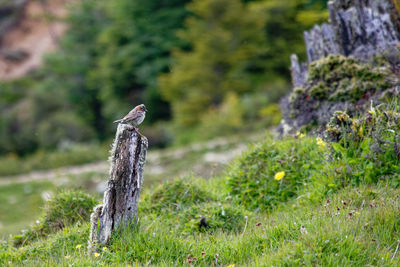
{"points": [[367, 148], [210, 217], [254, 110], [158, 134], [175, 195], [225, 119], [254, 178], [186, 207], [271, 115], [65, 209], [61, 127]]}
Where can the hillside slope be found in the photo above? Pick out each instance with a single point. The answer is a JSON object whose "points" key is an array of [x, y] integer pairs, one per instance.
{"points": [[323, 218], [32, 35]]}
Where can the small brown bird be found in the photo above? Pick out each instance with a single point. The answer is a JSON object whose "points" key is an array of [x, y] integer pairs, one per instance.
{"points": [[135, 116]]}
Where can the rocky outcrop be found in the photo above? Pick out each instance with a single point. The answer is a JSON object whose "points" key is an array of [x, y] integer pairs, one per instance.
{"points": [[366, 30]]}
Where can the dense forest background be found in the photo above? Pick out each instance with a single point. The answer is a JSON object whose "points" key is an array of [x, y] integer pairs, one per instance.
{"points": [[203, 68]]}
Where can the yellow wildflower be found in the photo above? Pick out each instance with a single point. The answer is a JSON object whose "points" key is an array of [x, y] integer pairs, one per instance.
{"points": [[360, 132], [279, 175], [104, 248], [320, 142], [231, 265], [372, 112], [78, 246], [96, 254], [300, 135]]}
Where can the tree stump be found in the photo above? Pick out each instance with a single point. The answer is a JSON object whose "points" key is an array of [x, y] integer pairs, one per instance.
{"points": [[120, 202]]}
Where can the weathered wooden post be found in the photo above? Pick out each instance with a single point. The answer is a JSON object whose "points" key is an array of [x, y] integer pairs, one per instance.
{"points": [[120, 202]]}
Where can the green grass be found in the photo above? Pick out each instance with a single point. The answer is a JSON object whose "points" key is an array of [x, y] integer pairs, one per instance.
{"points": [[329, 209], [64, 209], [173, 164], [251, 178], [364, 231], [21, 204]]}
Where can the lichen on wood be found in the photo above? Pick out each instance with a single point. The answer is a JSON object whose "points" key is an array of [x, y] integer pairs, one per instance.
{"points": [[121, 198]]}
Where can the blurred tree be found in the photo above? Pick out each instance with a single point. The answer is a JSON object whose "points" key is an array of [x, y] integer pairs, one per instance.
{"points": [[113, 52], [136, 48], [56, 103], [226, 39], [42, 118], [284, 27], [67, 69], [16, 124], [235, 47]]}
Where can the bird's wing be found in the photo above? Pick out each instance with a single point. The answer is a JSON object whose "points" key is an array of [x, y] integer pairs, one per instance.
{"points": [[132, 115]]}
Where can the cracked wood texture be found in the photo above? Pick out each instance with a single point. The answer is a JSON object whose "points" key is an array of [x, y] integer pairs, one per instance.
{"points": [[358, 28], [121, 198]]}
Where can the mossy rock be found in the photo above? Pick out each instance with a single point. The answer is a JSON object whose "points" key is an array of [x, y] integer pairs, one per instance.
{"points": [[339, 78], [336, 83]]}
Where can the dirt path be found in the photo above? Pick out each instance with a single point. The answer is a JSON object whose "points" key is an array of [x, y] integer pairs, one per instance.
{"points": [[215, 152]]}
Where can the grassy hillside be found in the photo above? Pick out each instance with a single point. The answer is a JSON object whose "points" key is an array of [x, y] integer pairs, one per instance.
{"points": [[24, 195], [295, 201], [357, 226]]}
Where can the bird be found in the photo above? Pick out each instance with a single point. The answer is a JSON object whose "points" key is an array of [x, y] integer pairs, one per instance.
{"points": [[135, 116], [203, 223]]}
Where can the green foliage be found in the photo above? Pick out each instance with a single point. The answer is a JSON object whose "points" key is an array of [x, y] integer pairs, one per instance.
{"points": [[235, 115], [225, 42], [223, 217], [65, 127], [23, 128], [112, 54], [184, 202], [251, 177], [72, 63], [65, 209], [136, 48], [57, 91], [176, 194], [222, 120], [271, 115], [284, 27], [228, 55], [158, 134], [367, 148]]}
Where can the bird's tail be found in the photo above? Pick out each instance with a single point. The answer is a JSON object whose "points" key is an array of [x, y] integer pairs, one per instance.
{"points": [[118, 120]]}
